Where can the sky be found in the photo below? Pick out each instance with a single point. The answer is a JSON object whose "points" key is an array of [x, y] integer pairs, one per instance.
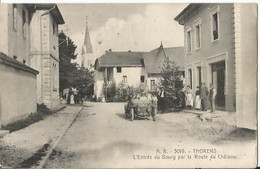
{"points": [[123, 27]]}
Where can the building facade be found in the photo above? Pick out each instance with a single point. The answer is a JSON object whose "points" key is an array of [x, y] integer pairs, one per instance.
{"points": [[214, 34], [137, 69], [18, 86], [118, 67], [154, 62], [44, 52]]}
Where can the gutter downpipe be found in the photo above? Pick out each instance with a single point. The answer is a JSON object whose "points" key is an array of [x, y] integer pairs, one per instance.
{"points": [[45, 13]]}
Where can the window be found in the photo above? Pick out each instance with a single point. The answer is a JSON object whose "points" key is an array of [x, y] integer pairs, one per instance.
{"points": [[198, 36], [24, 23], [190, 77], [119, 69], [142, 62], [54, 77], [124, 79], [142, 79], [53, 29], [215, 23], [199, 76], [152, 84], [188, 41], [14, 17], [215, 26]]}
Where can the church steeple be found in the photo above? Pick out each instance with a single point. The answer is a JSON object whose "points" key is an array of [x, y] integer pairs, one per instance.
{"points": [[87, 53], [87, 48]]}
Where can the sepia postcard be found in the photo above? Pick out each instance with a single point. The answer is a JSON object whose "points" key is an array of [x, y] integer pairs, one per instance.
{"points": [[128, 85]]}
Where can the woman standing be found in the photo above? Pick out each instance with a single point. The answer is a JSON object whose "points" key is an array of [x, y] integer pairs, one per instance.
{"points": [[197, 99], [189, 99]]}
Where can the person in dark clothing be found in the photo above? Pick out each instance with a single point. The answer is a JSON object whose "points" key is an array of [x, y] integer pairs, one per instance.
{"points": [[161, 100], [204, 92], [69, 94]]}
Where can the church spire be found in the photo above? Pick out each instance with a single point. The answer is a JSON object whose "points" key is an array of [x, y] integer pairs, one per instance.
{"points": [[87, 59], [87, 48]]}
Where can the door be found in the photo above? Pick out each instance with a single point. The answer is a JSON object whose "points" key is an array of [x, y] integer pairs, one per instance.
{"points": [[218, 81]]}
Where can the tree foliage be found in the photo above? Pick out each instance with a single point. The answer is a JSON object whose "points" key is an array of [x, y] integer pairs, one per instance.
{"points": [[71, 74], [171, 78], [172, 82]]}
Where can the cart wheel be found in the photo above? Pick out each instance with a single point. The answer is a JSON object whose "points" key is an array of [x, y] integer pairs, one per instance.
{"points": [[132, 114]]}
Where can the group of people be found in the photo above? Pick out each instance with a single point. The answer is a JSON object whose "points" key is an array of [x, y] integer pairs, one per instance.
{"points": [[202, 97], [73, 96]]}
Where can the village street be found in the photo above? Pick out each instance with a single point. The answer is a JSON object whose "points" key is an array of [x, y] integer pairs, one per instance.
{"points": [[101, 136]]}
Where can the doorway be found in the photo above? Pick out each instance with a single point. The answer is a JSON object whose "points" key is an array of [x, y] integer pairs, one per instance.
{"points": [[218, 81]]}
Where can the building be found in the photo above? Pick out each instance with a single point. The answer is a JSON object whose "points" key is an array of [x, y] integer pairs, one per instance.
{"points": [[87, 56], [154, 62], [221, 48], [18, 96], [134, 68], [44, 52], [117, 67]]}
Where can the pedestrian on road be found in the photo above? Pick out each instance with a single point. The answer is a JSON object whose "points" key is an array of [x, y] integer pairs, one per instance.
{"points": [[212, 96], [72, 99], [68, 97], [189, 99], [204, 92], [161, 104], [197, 99]]}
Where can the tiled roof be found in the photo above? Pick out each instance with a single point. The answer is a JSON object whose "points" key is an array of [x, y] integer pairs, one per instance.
{"points": [[123, 59], [154, 60], [14, 63]]}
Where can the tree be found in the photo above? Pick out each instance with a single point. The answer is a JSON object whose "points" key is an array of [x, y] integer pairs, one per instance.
{"points": [[172, 82], [67, 69], [71, 74]]}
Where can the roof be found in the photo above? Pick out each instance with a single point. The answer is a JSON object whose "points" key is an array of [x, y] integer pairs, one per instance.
{"points": [[14, 63], [122, 59], [187, 11], [54, 10], [154, 60]]}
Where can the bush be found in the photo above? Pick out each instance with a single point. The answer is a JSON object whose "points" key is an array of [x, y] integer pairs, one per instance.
{"points": [[111, 92], [123, 91]]}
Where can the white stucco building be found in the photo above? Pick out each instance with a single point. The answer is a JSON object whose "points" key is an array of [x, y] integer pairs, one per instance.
{"points": [[44, 52], [18, 81], [118, 67], [29, 61], [133, 68], [221, 48]]}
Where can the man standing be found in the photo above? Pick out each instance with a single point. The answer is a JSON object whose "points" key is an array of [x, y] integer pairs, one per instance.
{"points": [[212, 96], [204, 92]]}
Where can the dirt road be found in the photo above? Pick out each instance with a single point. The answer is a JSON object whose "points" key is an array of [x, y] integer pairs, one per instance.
{"points": [[101, 136]]}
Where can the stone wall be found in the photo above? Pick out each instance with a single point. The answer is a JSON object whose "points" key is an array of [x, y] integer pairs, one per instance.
{"points": [[245, 49], [18, 96]]}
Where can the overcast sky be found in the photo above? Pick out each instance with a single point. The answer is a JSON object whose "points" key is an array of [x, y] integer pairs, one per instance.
{"points": [[123, 27]]}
